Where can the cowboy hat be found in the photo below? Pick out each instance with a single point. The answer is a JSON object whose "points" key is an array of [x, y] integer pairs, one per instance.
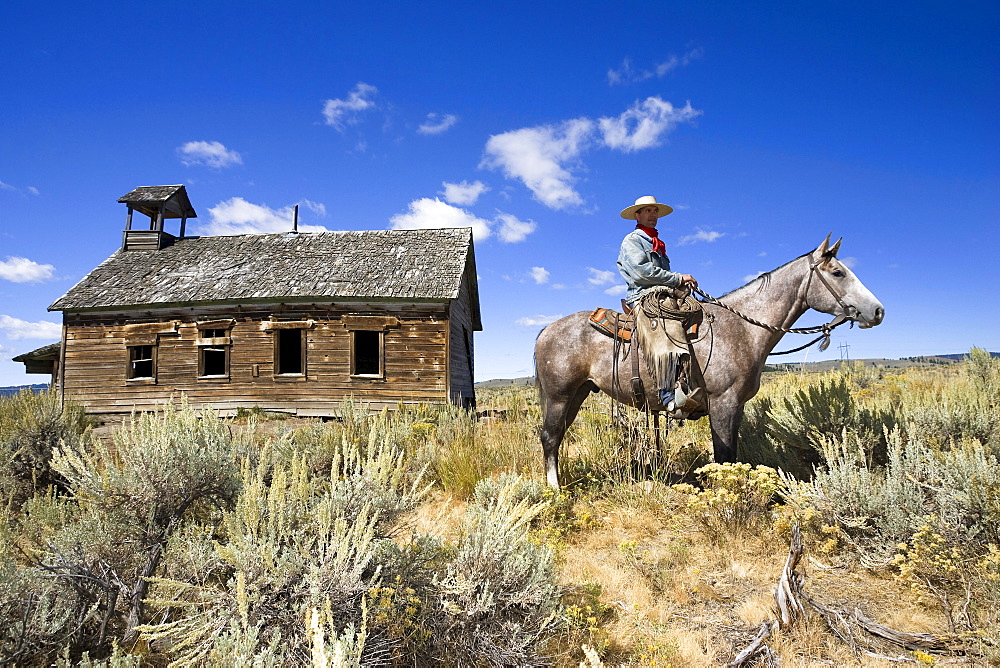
{"points": [[645, 200]]}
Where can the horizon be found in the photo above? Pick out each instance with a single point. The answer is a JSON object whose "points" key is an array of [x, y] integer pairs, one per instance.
{"points": [[765, 127]]}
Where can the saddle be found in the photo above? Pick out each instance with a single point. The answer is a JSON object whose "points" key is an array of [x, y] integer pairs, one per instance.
{"points": [[677, 370], [614, 324]]}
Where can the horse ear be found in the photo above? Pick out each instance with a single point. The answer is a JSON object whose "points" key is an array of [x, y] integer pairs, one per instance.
{"points": [[821, 251], [835, 247]]}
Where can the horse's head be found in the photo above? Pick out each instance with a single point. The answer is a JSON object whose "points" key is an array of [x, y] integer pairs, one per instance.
{"points": [[833, 288]]}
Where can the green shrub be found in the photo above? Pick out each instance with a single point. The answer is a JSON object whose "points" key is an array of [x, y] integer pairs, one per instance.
{"points": [[789, 434], [984, 372], [32, 425], [497, 597], [285, 548], [881, 507], [91, 555]]}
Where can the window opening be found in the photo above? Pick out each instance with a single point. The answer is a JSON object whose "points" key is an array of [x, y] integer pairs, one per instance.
{"points": [[367, 359], [140, 362], [289, 351], [214, 358]]}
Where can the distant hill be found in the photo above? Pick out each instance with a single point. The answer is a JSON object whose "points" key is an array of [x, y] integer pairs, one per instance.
{"points": [[504, 382], [6, 391], [902, 363], [826, 365], [958, 357]]}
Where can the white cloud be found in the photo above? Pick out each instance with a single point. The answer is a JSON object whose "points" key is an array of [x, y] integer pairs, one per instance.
{"points": [[601, 276], [437, 123], [848, 262], [546, 158], [338, 112], [464, 193], [512, 229], [616, 290], [700, 235], [750, 277], [29, 189], [211, 153], [537, 320], [238, 216], [538, 157], [316, 207], [15, 328], [626, 73], [23, 270], [643, 125], [427, 213], [540, 275]]}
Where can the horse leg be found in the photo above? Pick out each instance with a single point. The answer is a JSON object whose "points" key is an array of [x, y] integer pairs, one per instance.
{"points": [[725, 417], [559, 415]]}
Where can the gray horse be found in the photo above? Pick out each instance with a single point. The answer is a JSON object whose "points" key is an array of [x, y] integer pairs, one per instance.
{"points": [[573, 359]]}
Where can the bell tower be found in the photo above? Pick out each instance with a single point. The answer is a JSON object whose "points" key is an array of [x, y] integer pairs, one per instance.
{"points": [[159, 203]]}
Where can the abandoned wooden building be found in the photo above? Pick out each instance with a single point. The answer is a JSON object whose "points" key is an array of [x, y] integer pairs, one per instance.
{"points": [[293, 322]]}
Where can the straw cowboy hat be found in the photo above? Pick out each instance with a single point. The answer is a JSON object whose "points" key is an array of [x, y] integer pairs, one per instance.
{"points": [[645, 200]]}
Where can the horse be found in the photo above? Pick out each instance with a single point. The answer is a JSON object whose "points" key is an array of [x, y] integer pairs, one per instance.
{"points": [[573, 359]]}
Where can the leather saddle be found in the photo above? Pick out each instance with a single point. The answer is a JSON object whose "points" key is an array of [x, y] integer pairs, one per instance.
{"points": [[614, 324], [621, 327]]}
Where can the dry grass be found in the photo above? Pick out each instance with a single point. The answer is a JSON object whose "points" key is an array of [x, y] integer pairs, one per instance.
{"points": [[662, 592], [674, 566], [677, 599]]}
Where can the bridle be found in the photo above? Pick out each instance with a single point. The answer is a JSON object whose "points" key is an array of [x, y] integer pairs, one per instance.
{"points": [[824, 331]]}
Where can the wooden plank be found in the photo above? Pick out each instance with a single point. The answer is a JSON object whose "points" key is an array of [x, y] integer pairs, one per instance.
{"points": [[415, 364]]}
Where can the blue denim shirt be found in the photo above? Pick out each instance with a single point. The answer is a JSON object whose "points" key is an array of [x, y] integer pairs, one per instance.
{"points": [[642, 268]]}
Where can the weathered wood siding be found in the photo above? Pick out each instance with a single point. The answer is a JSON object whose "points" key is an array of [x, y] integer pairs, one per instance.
{"points": [[415, 349], [461, 352]]}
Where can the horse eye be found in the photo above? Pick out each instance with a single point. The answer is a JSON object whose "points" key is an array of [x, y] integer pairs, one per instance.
{"points": [[838, 273]]}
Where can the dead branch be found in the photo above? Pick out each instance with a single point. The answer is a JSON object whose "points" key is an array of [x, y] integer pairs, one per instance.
{"points": [[859, 632], [755, 646], [786, 595], [921, 641]]}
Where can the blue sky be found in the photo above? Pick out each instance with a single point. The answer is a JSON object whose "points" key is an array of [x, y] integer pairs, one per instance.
{"points": [[766, 125]]}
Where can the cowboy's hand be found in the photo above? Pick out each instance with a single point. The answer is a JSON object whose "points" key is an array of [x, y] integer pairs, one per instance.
{"points": [[688, 279]]}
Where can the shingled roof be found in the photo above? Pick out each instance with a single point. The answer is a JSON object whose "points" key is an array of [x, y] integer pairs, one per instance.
{"points": [[396, 264], [148, 199]]}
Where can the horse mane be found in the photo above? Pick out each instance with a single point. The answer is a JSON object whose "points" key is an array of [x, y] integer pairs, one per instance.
{"points": [[764, 279]]}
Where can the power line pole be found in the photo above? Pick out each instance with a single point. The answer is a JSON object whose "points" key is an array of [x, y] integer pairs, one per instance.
{"points": [[844, 354]]}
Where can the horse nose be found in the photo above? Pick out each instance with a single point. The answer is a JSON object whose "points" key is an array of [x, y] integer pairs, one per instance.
{"points": [[879, 314]]}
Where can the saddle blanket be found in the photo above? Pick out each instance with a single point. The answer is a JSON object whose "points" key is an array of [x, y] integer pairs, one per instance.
{"points": [[604, 320]]}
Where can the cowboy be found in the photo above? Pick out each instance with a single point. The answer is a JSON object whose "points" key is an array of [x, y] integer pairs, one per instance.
{"points": [[644, 265], [643, 260]]}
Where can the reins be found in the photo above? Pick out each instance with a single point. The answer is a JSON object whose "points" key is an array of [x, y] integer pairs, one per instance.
{"points": [[824, 330]]}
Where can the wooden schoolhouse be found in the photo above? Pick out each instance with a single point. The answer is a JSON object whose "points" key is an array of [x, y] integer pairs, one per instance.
{"points": [[294, 322]]}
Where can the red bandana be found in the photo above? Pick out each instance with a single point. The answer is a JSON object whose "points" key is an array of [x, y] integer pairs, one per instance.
{"points": [[658, 246]]}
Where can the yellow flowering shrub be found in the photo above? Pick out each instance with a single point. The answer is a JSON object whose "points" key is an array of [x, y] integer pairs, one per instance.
{"points": [[735, 499], [928, 559]]}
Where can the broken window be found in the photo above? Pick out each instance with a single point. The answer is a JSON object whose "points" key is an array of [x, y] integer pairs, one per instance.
{"points": [[366, 353], [289, 352], [213, 353], [141, 362]]}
